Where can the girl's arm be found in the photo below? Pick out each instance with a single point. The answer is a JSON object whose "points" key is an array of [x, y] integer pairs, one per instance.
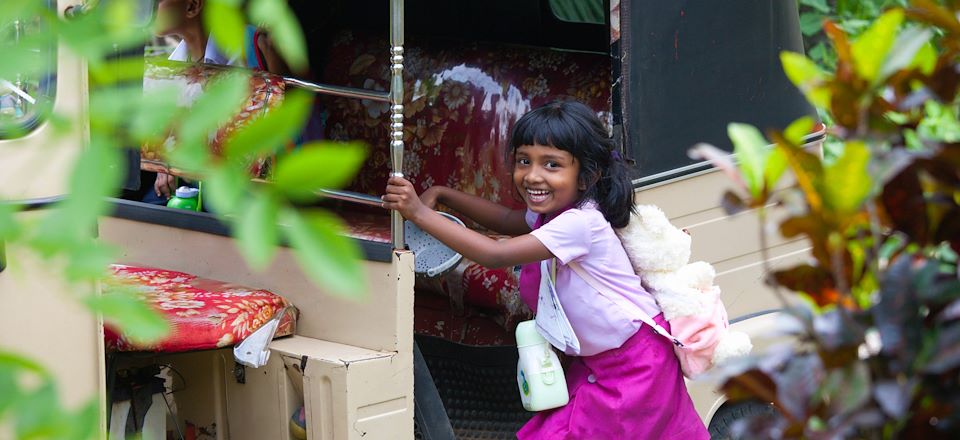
{"points": [[471, 244], [488, 214]]}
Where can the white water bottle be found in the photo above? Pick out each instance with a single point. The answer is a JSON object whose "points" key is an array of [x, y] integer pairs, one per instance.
{"points": [[539, 374]]}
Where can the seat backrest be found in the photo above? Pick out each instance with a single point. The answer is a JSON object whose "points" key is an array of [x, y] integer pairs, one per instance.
{"points": [[461, 100]]}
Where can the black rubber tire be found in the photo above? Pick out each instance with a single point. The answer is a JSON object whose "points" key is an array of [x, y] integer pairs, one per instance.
{"points": [[729, 413]]}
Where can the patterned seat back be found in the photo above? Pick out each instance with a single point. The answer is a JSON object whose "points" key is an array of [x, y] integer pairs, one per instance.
{"points": [[460, 103]]}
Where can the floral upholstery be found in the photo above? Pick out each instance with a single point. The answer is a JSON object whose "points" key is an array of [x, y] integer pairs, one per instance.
{"points": [[460, 102], [190, 80], [202, 313]]}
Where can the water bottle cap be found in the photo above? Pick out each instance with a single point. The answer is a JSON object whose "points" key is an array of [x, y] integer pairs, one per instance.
{"points": [[186, 192], [527, 334]]}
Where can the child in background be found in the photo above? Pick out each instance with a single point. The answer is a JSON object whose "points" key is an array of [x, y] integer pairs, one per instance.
{"points": [[184, 19], [625, 383]]}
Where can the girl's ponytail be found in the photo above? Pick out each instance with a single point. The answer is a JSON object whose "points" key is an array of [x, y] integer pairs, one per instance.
{"points": [[613, 192]]}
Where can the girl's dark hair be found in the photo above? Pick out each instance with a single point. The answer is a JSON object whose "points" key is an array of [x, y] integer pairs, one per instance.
{"points": [[575, 128]]}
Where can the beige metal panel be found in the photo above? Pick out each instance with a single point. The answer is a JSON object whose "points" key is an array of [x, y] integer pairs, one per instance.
{"points": [[44, 321], [351, 393], [742, 280], [258, 407], [39, 164], [382, 320]]}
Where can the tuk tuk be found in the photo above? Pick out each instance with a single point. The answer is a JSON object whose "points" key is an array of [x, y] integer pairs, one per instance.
{"points": [[433, 88]]}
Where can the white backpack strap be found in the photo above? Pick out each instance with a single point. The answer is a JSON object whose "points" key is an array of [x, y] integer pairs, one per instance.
{"points": [[643, 317]]}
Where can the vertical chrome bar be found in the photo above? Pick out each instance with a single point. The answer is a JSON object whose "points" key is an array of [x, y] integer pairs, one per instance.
{"points": [[18, 101], [396, 111]]}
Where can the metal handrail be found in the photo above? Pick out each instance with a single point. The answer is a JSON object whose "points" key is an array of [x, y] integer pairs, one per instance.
{"points": [[348, 92]]}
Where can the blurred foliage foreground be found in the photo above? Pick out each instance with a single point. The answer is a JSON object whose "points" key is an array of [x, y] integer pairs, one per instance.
{"points": [[876, 310], [120, 116]]}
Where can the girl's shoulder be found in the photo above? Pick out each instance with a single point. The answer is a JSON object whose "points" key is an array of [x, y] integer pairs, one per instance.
{"points": [[587, 212], [586, 219]]}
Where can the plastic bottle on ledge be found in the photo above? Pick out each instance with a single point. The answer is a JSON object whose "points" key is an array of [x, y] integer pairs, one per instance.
{"points": [[185, 198], [539, 374]]}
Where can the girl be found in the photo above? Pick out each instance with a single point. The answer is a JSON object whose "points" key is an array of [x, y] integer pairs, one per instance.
{"points": [[625, 383]]}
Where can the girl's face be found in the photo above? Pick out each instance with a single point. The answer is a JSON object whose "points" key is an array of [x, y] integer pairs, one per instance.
{"points": [[546, 177]]}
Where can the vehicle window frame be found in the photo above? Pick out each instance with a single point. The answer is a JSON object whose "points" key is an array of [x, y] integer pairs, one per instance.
{"points": [[47, 92]]}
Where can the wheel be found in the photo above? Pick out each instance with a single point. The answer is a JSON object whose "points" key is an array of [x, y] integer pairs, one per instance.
{"points": [[729, 413]]}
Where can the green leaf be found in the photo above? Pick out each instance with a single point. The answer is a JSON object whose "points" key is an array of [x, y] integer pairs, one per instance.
{"points": [[751, 150], [905, 50], [257, 230], [131, 315], [190, 155], [926, 59], [807, 76], [318, 165], [818, 5], [329, 258], [775, 166], [39, 413], [12, 367], [215, 106], [15, 362], [284, 30], [83, 425], [224, 19], [799, 129], [225, 189], [810, 24], [114, 72], [847, 182], [872, 47], [96, 175], [23, 58], [9, 228], [14, 9], [111, 106], [272, 131], [152, 120], [89, 260], [9, 388]]}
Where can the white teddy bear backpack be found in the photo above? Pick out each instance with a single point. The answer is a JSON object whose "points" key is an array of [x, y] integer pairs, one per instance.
{"points": [[659, 253]]}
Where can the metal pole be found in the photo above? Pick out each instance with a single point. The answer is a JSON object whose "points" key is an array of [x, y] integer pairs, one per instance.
{"points": [[396, 111]]}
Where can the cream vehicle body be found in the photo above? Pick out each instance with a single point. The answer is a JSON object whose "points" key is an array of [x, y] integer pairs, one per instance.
{"points": [[670, 76]]}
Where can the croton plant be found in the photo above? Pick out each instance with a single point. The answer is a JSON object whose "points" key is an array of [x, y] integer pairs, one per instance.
{"points": [[876, 309]]}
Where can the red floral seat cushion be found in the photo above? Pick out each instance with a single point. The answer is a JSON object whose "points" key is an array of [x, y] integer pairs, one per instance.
{"points": [[202, 313]]}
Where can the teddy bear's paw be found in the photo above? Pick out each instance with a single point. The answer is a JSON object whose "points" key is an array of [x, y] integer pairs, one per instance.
{"points": [[734, 344], [698, 274]]}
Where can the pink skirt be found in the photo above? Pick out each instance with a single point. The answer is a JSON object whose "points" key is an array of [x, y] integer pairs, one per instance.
{"points": [[632, 392]]}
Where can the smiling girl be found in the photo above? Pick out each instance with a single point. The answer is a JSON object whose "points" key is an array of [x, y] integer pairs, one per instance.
{"points": [[625, 382]]}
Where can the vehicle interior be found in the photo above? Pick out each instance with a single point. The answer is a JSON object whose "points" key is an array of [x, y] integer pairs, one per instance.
{"points": [[432, 356], [469, 71]]}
